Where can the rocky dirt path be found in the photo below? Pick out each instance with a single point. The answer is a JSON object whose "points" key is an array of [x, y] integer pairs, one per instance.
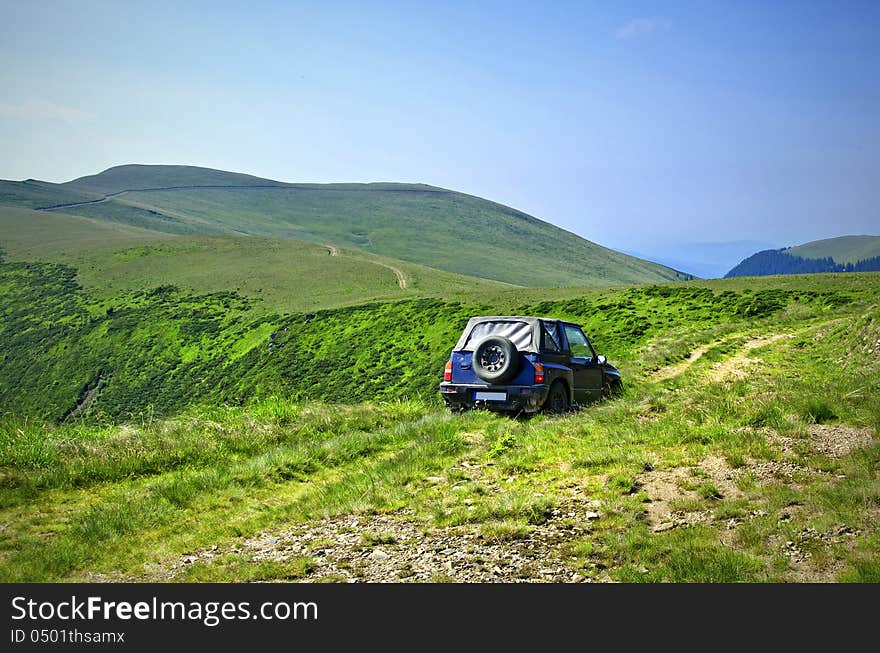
{"points": [[669, 492], [666, 487], [398, 547], [402, 547]]}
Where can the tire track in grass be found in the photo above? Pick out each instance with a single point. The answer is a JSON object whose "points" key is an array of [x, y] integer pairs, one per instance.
{"points": [[402, 281], [737, 366], [399, 275], [681, 367]]}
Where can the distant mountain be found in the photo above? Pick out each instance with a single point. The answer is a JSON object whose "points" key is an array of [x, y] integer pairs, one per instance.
{"points": [[122, 178], [844, 249], [843, 254], [707, 260], [422, 224]]}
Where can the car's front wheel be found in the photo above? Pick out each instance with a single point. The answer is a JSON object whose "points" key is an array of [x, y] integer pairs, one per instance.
{"points": [[557, 399], [612, 389]]}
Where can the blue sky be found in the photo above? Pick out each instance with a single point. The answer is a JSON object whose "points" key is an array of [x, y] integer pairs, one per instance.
{"points": [[637, 125]]}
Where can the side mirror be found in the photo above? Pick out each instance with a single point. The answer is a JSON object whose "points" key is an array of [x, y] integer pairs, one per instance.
{"points": [[601, 359]]}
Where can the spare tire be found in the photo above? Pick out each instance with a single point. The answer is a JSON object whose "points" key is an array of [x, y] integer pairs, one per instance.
{"points": [[495, 359]]}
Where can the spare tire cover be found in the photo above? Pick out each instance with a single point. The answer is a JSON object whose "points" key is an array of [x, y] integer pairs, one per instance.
{"points": [[495, 359]]}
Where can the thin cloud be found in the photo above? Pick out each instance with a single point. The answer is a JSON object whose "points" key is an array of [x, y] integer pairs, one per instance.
{"points": [[642, 27], [37, 109]]}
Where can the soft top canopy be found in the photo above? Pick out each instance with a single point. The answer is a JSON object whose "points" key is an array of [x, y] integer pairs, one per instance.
{"points": [[522, 331]]}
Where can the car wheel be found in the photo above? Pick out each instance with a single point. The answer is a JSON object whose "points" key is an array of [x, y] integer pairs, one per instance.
{"points": [[557, 399], [613, 389], [495, 359]]}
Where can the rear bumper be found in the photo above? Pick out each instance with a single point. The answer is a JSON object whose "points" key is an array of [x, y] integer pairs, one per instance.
{"points": [[529, 398]]}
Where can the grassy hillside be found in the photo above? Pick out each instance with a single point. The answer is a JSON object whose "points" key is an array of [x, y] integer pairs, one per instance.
{"points": [[280, 275], [218, 407], [421, 224], [781, 261], [845, 249], [744, 448], [32, 194], [166, 347], [32, 235], [126, 177]]}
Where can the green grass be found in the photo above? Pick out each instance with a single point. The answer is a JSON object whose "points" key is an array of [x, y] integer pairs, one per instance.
{"points": [[35, 235], [691, 555], [31, 193], [117, 500], [237, 569], [420, 224], [280, 275], [157, 350], [148, 176], [200, 434]]}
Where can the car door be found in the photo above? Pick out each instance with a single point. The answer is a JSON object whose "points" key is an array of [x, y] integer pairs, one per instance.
{"points": [[551, 343], [584, 365]]}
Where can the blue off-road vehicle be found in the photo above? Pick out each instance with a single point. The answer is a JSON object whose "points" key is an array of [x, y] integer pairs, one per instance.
{"points": [[524, 364]]}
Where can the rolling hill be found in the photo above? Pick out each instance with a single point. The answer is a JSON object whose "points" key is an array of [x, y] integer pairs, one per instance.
{"points": [[843, 254], [194, 407], [281, 275], [844, 249], [159, 435], [421, 224]]}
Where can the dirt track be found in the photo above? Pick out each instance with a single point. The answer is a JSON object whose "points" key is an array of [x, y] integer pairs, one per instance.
{"points": [[738, 365], [401, 277], [679, 368]]}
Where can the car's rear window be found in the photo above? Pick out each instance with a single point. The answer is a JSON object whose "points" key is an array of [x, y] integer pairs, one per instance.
{"points": [[519, 333]]}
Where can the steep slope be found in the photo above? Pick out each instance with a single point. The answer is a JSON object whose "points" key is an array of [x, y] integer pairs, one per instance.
{"points": [[417, 223]]}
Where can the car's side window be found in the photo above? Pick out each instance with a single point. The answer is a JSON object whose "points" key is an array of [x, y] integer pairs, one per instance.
{"points": [[577, 342], [550, 336]]}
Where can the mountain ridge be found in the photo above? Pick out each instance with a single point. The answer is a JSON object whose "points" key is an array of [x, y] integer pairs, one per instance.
{"points": [[840, 254], [418, 223], [843, 249]]}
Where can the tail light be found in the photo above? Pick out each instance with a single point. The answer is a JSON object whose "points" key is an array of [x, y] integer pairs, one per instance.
{"points": [[447, 372], [539, 373]]}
